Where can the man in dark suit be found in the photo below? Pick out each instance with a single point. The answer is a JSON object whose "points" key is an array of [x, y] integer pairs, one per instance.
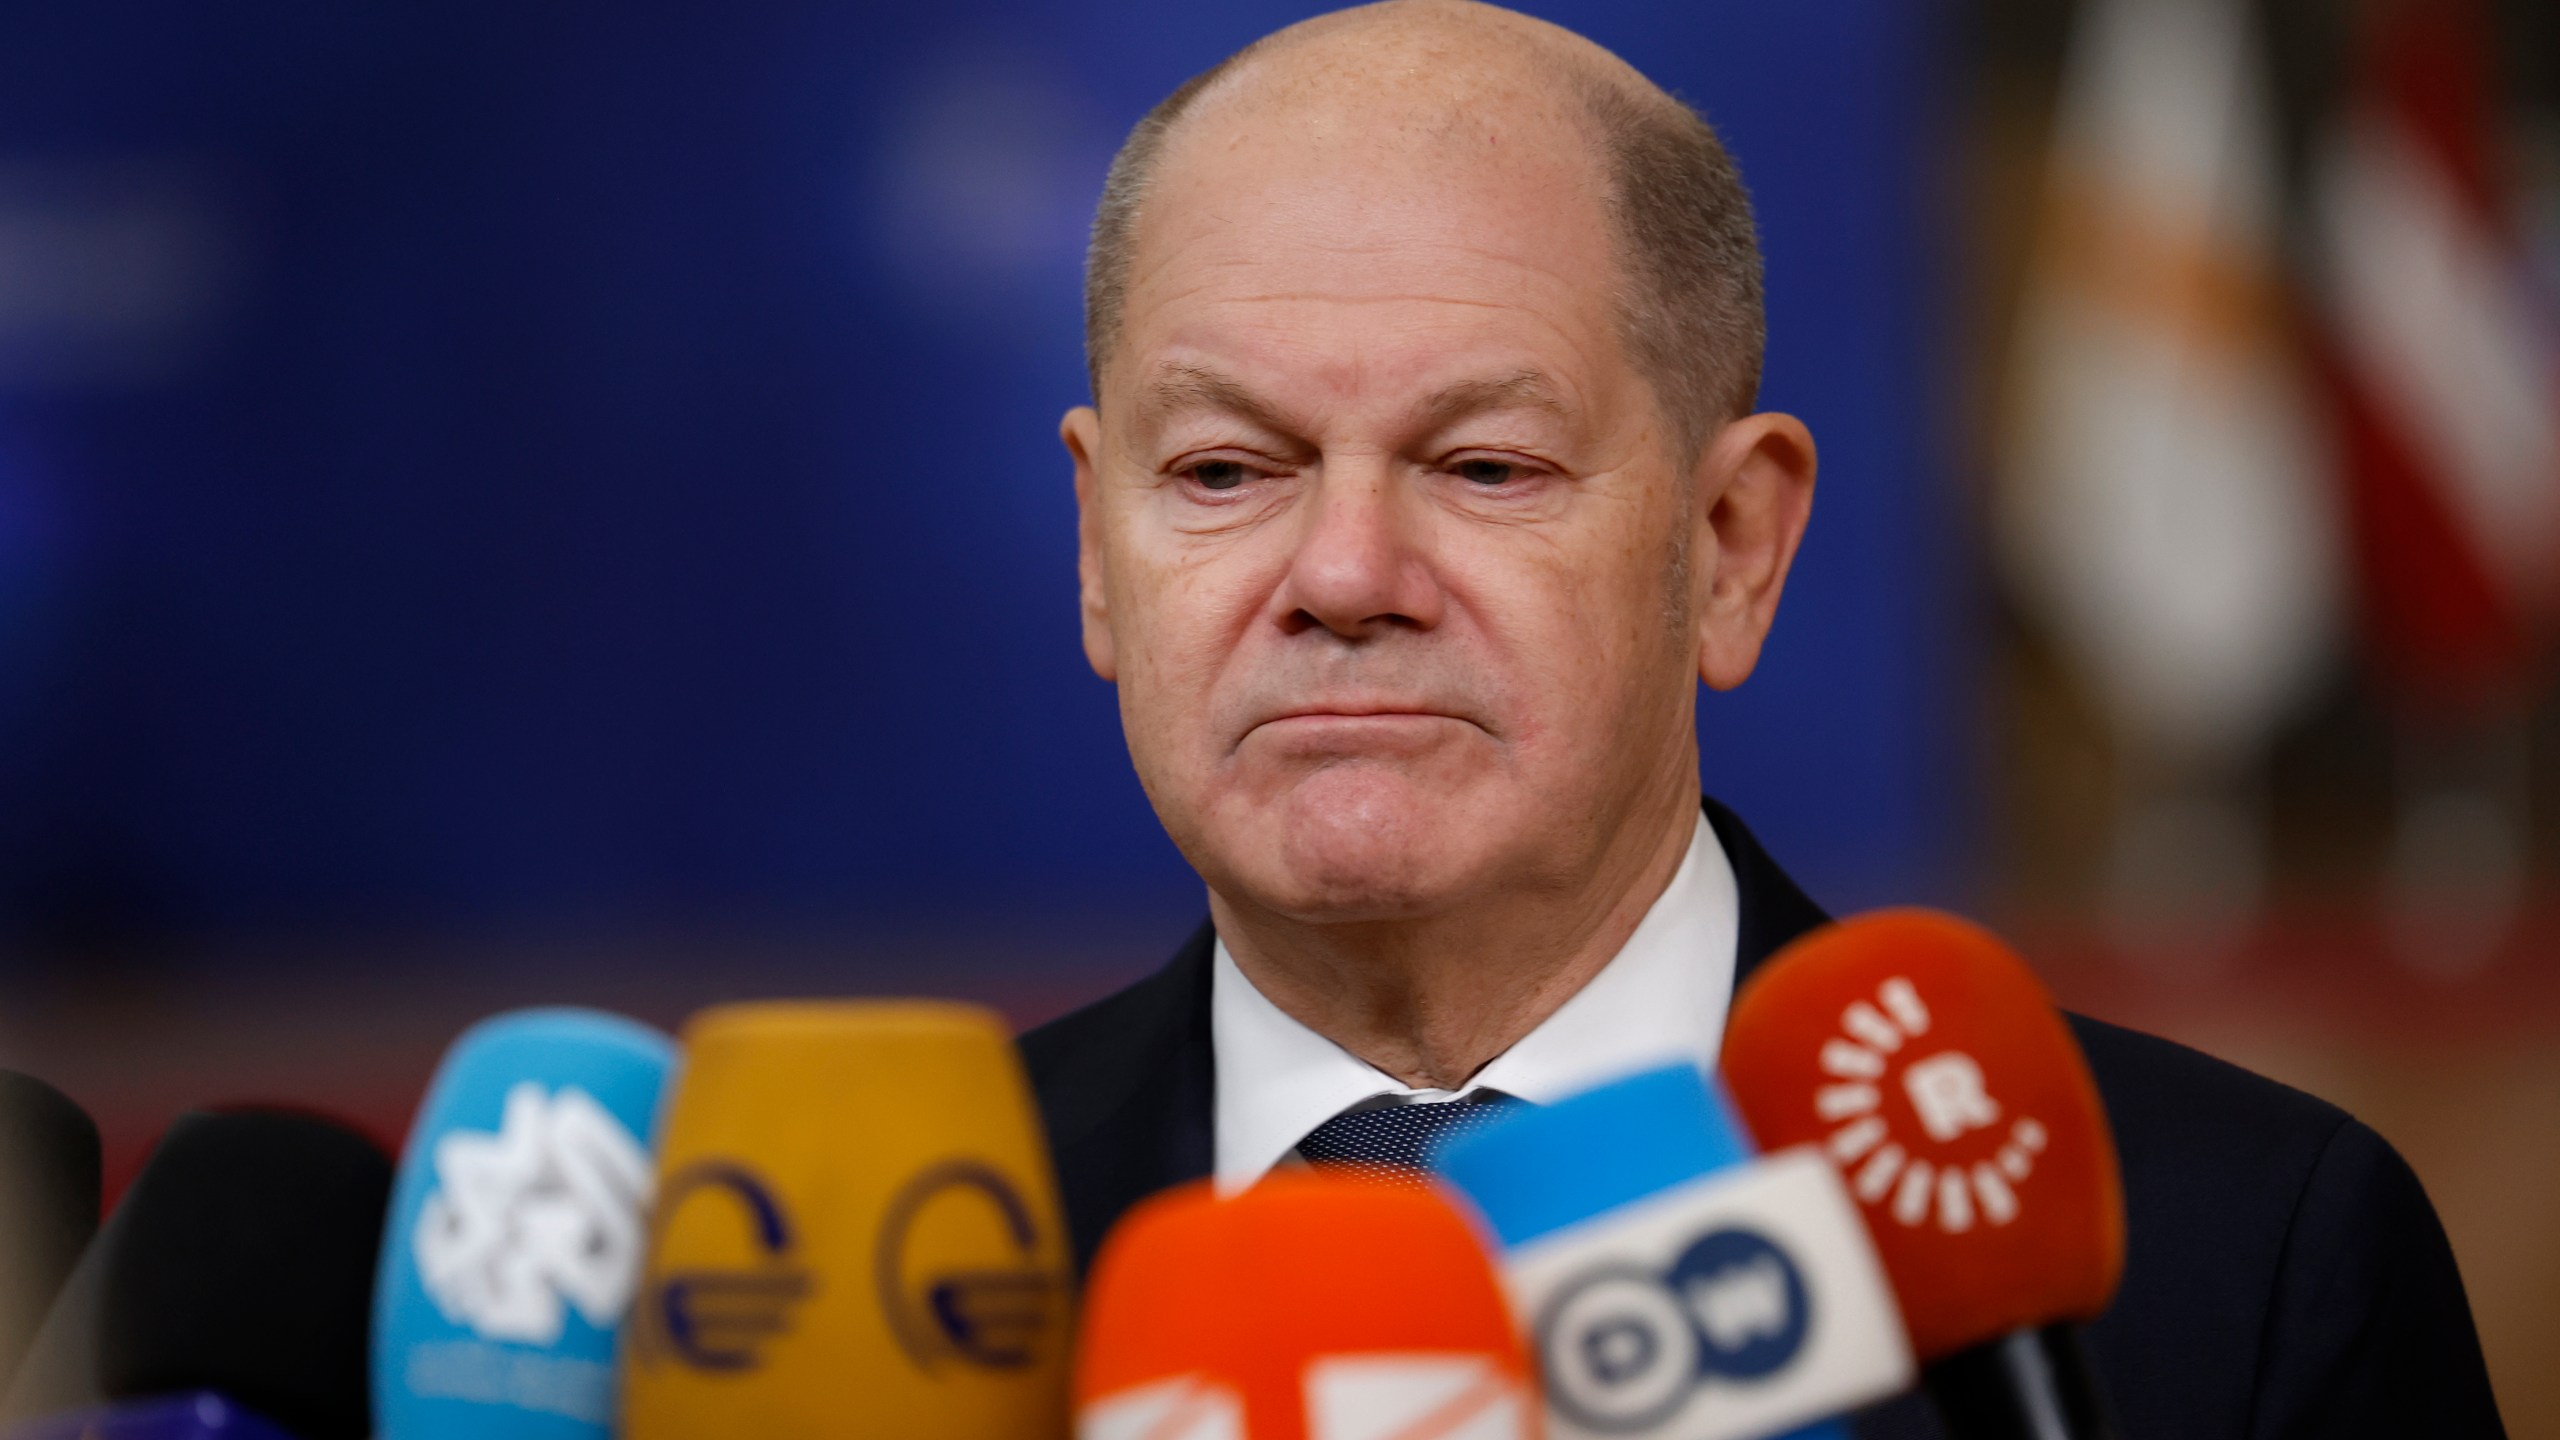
{"points": [[1422, 488]]}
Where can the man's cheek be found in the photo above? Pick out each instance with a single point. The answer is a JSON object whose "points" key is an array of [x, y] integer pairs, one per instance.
{"points": [[1168, 690]]}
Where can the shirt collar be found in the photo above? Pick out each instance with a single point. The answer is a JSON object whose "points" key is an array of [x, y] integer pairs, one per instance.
{"points": [[1660, 1000]]}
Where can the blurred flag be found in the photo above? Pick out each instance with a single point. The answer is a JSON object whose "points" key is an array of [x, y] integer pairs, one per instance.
{"points": [[2445, 379], [2162, 514], [2443, 363]]}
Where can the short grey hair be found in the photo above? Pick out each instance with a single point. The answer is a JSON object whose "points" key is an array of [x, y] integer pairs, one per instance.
{"points": [[1689, 301]]}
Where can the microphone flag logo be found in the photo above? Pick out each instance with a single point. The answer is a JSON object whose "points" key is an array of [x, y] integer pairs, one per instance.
{"points": [[1881, 1049], [541, 1215]]}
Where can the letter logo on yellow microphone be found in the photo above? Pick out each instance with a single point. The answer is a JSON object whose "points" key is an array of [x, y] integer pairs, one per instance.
{"points": [[721, 1317], [874, 1245], [960, 1270]]}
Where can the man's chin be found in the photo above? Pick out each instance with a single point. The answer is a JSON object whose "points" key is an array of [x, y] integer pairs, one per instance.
{"points": [[1346, 848]]}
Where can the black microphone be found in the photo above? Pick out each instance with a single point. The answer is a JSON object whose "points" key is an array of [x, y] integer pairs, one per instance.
{"points": [[48, 1204], [241, 1263]]}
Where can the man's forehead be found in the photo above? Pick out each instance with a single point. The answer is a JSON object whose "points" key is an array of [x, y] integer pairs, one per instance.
{"points": [[1351, 253], [1383, 190], [1451, 114], [1344, 160]]}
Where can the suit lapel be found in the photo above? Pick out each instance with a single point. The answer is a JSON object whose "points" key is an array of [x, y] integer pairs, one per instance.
{"points": [[1127, 1093], [1774, 910]]}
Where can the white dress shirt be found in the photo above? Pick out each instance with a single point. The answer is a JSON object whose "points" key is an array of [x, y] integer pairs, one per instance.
{"points": [[1661, 999]]}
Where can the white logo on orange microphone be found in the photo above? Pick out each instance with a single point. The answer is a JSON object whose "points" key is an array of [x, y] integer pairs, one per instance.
{"points": [[1946, 1091], [1409, 1396], [542, 1215], [1413, 1397], [1186, 1407]]}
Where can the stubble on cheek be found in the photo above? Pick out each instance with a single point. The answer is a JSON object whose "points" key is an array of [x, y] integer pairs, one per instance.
{"points": [[1171, 670]]}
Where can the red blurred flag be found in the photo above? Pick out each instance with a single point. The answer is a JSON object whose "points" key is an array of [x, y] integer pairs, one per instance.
{"points": [[2441, 362]]}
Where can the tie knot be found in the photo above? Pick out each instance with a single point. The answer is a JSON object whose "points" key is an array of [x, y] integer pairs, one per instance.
{"points": [[1391, 1142]]}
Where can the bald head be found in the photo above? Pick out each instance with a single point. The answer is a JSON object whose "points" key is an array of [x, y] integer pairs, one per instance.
{"points": [[1450, 86]]}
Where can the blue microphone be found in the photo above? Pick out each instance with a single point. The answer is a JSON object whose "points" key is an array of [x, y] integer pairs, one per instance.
{"points": [[517, 1229], [202, 1415], [1673, 1286]]}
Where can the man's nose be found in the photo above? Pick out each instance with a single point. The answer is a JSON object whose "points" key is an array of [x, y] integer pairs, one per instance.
{"points": [[1359, 568]]}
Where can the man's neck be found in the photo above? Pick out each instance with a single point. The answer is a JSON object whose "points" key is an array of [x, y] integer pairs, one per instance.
{"points": [[1430, 1000]]}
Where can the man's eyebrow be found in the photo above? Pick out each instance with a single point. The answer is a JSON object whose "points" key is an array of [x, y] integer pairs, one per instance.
{"points": [[1528, 389], [1178, 387]]}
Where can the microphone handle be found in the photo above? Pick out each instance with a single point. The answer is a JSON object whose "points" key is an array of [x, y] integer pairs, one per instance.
{"points": [[2026, 1385]]}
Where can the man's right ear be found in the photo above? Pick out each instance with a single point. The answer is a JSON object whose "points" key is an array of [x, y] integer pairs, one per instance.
{"points": [[1081, 432]]}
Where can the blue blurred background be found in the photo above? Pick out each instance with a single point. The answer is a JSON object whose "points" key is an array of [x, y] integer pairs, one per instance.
{"points": [[470, 469]]}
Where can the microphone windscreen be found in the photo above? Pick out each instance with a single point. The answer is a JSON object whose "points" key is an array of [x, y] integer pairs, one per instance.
{"points": [[199, 1416], [856, 1233], [241, 1261], [1311, 1307], [1674, 1287], [1927, 1061], [48, 1204], [516, 1231]]}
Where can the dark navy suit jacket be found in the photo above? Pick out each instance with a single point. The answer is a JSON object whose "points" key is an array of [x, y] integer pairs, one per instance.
{"points": [[2284, 1276]]}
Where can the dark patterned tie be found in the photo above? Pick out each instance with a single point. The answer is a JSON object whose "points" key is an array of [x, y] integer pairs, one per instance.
{"points": [[1391, 1142]]}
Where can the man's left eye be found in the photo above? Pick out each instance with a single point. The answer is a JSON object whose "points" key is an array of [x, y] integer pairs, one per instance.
{"points": [[1487, 472], [1219, 474]]}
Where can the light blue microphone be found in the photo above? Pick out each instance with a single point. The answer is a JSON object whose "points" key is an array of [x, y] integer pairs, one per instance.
{"points": [[516, 1231], [1673, 1286]]}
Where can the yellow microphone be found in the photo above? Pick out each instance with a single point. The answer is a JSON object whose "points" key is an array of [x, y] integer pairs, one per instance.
{"points": [[856, 1233]]}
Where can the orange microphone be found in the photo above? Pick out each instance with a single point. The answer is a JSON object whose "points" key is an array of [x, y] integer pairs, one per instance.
{"points": [[1310, 1307], [1926, 1059]]}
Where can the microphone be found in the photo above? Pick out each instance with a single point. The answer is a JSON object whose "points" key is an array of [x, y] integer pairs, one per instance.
{"points": [[1674, 1287], [1925, 1058], [1311, 1307], [48, 1204], [856, 1233], [240, 1262], [516, 1228]]}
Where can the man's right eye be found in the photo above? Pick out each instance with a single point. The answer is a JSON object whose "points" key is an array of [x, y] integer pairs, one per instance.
{"points": [[1219, 474]]}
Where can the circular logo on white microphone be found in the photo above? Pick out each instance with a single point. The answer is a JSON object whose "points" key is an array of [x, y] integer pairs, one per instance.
{"points": [[1622, 1348]]}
